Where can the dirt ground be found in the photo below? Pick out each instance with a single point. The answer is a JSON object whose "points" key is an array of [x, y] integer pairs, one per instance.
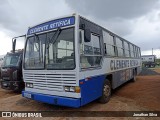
{"points": [[142, 95]]}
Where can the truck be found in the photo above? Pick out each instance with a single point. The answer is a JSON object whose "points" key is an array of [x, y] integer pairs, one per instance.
{"points": [[1, 61], [148, 61], [11, 70]]}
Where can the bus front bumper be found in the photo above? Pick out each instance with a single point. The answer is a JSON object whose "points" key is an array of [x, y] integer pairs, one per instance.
{"points": [[50, 99]]}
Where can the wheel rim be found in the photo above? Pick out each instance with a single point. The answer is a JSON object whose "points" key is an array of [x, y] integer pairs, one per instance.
{"points": [[106, 90]]}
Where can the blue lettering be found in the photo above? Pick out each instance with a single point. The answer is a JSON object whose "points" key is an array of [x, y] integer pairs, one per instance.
{"points": [[119, 64]]}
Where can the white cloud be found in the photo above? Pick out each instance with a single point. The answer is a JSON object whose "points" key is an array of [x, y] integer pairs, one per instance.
{"points": [[6, 43], [17, 16], [138, 22], [149, 52], [146, 31], [110, 9]]}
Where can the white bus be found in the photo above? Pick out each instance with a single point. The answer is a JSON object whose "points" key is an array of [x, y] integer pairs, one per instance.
{"points": [[71, 61]]}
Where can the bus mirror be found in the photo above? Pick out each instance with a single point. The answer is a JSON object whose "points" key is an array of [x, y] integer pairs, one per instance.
{"points": [[13, 45], [87, 35]]}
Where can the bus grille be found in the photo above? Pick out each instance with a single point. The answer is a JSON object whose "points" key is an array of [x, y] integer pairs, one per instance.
{"points": [[52, 82]]}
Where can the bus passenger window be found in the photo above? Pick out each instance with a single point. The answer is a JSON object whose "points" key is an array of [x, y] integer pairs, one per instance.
{"points": [[90, 52], [109, 43], [127, 51], [119, 44], [131, 50], [84, 62]]}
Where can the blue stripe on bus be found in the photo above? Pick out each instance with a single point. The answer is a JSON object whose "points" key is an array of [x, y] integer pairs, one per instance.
{"points": [[55, 100], [91, 89]]}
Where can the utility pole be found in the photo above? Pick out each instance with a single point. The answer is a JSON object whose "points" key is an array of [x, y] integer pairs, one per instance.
{"points": [[152, 51]]}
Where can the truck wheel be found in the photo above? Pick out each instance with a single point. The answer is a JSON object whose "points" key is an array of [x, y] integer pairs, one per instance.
{"points": [[106, 92]]}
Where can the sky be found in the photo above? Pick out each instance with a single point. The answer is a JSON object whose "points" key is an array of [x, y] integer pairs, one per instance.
{"points": [[138, 21]]}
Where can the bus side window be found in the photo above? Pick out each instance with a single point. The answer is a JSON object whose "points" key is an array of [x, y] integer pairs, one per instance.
{"points": [[119, 44], [126, 49], [110, 44], [84, 49], [90, 52]]}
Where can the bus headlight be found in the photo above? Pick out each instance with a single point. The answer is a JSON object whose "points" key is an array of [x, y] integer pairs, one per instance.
{"points": [[72, 89], [66, 88], [29, 85]]}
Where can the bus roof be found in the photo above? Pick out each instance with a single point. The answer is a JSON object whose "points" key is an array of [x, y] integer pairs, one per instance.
{"points": [[45, 26]]}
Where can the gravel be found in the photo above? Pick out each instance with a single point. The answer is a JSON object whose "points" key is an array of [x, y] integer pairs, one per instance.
{"points": [[146, 71]]}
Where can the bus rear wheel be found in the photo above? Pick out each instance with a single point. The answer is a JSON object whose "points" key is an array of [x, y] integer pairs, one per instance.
{"points": [[106, 92]]}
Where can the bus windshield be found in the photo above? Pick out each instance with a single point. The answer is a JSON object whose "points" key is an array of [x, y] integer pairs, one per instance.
{"points": [[42, 53], [11, 61]]}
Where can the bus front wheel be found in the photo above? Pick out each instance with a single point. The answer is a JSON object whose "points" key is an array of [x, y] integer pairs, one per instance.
{"points": [[106, 92]]}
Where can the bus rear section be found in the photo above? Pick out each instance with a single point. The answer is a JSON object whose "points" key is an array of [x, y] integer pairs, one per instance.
{"points": [[72, 61]]}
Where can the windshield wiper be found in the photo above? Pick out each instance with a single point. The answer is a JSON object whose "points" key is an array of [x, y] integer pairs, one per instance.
{"points": [[37, 38], [38, 48], [54, 37]]}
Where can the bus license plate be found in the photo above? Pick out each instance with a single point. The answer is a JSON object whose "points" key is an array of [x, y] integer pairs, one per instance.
{"points": [[27, 95]]}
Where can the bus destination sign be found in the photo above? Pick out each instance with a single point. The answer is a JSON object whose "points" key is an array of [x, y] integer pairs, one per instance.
{"points": [[52, 25]]}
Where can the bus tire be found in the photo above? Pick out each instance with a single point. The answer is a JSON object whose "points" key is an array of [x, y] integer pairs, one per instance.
{"points": [[106, 92]]}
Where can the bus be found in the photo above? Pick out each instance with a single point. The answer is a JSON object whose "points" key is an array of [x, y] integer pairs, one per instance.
{"points": [[71, 61]]}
